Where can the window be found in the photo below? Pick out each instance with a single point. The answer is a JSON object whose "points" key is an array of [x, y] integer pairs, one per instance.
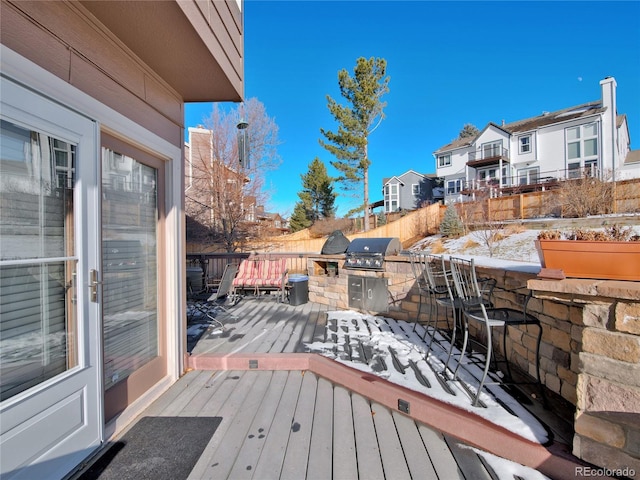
{"points": [[415, 189], [492, 149], [38, 259], [391, 201], [130, 265], [444, 160], [524, 143], [527, 176], [454, 186], [582, 149]]}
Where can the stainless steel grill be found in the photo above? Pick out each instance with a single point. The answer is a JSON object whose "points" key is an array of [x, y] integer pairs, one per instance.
{"points": [[369, 253]]}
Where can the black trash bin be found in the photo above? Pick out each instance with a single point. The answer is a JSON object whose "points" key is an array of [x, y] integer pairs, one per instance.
{"points": [[298, 289]]}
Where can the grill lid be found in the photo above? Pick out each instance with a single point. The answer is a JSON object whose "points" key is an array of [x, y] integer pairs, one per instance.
{"points": [[374, 246]]}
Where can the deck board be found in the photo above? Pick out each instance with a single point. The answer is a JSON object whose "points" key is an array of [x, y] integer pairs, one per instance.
{"points": [[214, 395], [344, 444], [237, 415], [166, 400], [321, 452], [368, 450], [297, 454], [416, 455], [256, 438], [272, 455], [442, 459], [393, 460]]}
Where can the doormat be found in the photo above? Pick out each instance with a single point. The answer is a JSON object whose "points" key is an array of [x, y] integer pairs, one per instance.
{"points": [[155, 448]]}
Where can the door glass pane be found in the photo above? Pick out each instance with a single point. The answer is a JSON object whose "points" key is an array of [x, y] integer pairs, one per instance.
{"points": [[38, 328], [129, 263]]}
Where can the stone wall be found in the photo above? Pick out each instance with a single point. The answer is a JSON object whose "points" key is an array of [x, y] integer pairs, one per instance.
{"points": [[605, 346], [589, 354]]}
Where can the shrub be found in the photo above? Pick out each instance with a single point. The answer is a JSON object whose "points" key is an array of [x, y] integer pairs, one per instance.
{"points": [[615, 233], [451, 225]]}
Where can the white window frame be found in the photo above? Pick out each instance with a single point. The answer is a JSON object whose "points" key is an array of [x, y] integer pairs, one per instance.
{"points": [[456, 184], [391, 197], [491, 149], [581, 138], [524, 144], [415, 189], [444, 160], [528, 174]]}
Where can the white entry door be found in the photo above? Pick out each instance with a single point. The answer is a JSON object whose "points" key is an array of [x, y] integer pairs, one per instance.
{"points": [[50, 340]]}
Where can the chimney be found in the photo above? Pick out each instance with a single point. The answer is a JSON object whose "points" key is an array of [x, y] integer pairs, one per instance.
{"points": [[609, 126], [608, 86]]}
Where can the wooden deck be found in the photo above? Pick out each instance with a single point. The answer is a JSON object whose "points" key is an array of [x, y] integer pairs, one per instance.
{"points": [[294, 425], [290, 422]]}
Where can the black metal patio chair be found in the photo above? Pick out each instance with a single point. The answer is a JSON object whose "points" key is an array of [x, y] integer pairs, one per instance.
{"points": [[221, 296], [475, 308]]}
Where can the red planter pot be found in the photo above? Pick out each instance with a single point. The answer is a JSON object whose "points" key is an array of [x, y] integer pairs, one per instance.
{"points": [[585, 259]]}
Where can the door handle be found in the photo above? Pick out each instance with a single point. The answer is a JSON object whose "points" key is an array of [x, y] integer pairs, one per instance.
{"points": [[93, 285]]}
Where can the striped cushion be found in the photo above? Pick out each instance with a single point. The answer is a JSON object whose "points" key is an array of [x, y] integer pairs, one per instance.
{"points": [[261, 273], [247, 274]]}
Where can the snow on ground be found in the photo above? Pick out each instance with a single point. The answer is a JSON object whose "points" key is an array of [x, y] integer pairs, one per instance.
{"points": [[516, 249], [379, 334]]}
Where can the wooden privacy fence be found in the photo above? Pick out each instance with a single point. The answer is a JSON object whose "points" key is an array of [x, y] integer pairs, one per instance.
{"points": [[626, 199], [416, 224]]}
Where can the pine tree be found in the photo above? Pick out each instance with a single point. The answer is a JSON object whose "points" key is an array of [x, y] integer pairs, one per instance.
{"points": [[299, 218], [469, 130], [451, 225], [356, 122], [317, 198]]}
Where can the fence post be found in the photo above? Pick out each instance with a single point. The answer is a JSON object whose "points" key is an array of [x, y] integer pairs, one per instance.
{"points": [[521, 200]]}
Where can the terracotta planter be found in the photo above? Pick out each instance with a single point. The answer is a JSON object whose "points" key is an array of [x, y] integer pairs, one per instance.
{"points": [[585, 259]]}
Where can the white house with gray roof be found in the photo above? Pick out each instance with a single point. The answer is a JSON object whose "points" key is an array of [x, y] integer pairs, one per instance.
{"points": [[535, 153]]}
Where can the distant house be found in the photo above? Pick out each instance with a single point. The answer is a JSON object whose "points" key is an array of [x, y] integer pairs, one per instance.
{"points": [[409, 191], [534, 153], [215, 194]]}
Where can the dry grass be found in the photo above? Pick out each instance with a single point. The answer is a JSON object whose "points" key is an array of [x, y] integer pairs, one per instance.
{"points": [[438, 247], [513, 229], [470, 243]]}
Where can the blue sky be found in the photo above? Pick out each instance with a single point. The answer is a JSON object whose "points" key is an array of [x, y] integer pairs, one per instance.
{"points": [[450, 63]]}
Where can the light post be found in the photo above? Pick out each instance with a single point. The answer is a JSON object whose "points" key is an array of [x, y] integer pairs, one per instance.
{"points": [[243, 144]]}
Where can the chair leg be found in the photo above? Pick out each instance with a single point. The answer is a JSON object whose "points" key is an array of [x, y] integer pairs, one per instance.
{"points": [[465, 341], [486, 367], [434, 330], [456, 314], [504, 349], [415, 324], [540, 386]]}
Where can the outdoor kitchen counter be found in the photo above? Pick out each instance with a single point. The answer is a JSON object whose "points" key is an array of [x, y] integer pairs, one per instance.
{"points": [[600, 323]]}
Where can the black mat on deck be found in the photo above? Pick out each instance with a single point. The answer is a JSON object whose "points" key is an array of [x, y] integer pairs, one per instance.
{"points": [[155, 448]]}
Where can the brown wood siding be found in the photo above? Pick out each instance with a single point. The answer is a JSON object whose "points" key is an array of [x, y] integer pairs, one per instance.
{"points": [[84, 54], [224, 36]]}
